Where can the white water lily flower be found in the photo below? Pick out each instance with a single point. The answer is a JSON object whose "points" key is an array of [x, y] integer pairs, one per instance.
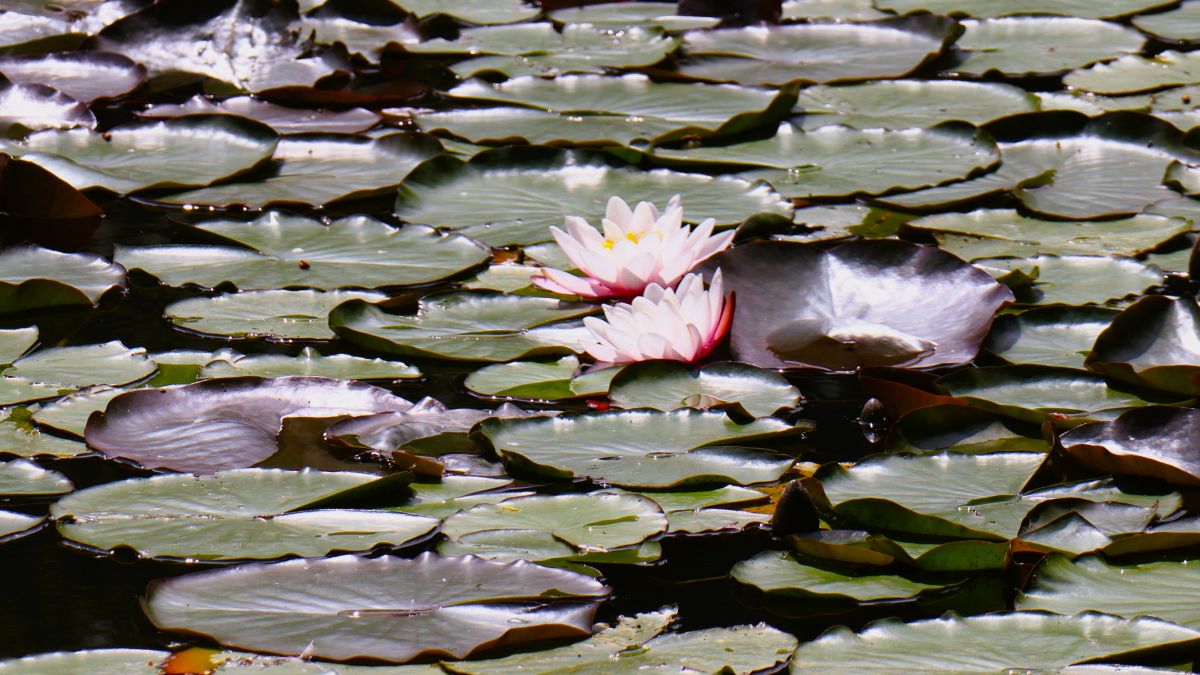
{"points": [[682, 324], [639, 247]]}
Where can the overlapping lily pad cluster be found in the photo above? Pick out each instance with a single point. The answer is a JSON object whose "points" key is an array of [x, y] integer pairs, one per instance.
{"points": [[299, 315]]}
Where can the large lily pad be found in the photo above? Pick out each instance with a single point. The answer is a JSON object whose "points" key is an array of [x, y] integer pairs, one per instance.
{"points": [[283, 120], [860, 324], [234, 45], [23, 478], [483, 12], [503, 198], [1133, 74], [1155, 342], [619, 15], [84, 365], [1035, 393], [385, 608], [465, 326], [1088, 9], [84, 76], [1048, 336], [452, 494], [668, 385], [817, 52], [241, 514], [534, 380], [641, 644], [1181, 24], [36, 107], [904, 104], [642, 448], [1155, 441], [286, 315], [957, 428], [126, 661], [322, 169], [839, 161], [1041, 45], [16, 341], [797, 589], [1159, 589], [285, 251], [25, 440], [31, 277], [183, 152], [545, 527], [311, 363], [1076, 279], [224, 424], [990, 643]]}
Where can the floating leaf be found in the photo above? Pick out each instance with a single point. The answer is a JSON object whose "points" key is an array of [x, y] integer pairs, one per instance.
{"points": [[619, 15], [1152, 342], [962, 429], [282, 119], [860, 324], [323, 169], [1087, 9], [904, 104], [24, 440], [84, 365], [36, 107], [817, 52], [501, 198], [640, 644], [1036, 393], [1181, 24], [1159, 589], [990, 643], [21, 477], [533, 380], [241, 514], [464, 326], [1076, 279], [311, 363], [70, 413], [32, 277], [641, 448], [1132, 74], [125, 661], [852, 10], [286, 315], [384, 608], [224, 424], [1048, 336], [668, 385], [1041, 45], [15, 342], [287, 251], [1156, 441], [483, 12], [84, 76], [837, 161]]}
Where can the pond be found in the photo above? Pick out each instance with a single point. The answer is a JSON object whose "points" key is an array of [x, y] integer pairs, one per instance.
{"points": [[411, 336]]}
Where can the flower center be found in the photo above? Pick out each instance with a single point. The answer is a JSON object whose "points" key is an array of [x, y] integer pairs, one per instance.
{"points": [[631, 236]]}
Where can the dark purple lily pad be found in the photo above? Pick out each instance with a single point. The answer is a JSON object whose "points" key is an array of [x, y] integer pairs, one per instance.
{"points": [[1154, 441], [1153, 342], [225, 423], [864, 303], [38, 207]]}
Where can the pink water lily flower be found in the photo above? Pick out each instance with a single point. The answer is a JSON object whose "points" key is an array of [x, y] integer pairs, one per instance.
{"points": [[638, 247], [684, 324]]}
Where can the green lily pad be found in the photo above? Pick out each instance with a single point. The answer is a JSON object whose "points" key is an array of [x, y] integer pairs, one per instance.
{"points": [[1034, 393], [838, 161], [668, 385], [84, 76], [816, 52], [958, 428], [500, 125], [539, 49], [583, 523], [36, 107], [1041, 45], [641, 448], [233, 515], [986, 233], [1076, 279], [20, 32], [32, 277], [872, 551], [81, 366], [798, 589], [387, 609], [368, 39], [16, 525], [24, 440], [321, 169], [904, 104], [1152, 342], [88, 662], [483, 12], [990, 643], [184, 152], [641, 644], [285, 251], [845, 10], [610, 108], [626, 14], [503, 198], [70, 414], [1087, 9], [535, 380], [311, 363], [1132, 74], [21, 477], [1159, 589], [15, 342], [1048, 336], [282, 119], [464, 326], [18, 390], [452, 494], [284, 315], [705, 521], [1181, 24]]}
